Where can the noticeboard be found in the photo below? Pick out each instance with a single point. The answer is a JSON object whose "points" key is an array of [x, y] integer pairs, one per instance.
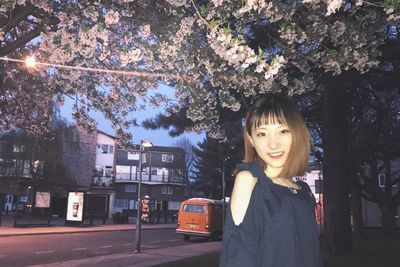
{"points": [[42, 200], [75, 206]]}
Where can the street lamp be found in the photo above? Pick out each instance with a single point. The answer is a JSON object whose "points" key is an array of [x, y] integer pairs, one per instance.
{"points": [[143, 144]]}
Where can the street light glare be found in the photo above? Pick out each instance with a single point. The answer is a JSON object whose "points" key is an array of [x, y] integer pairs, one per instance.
{"points": [[146, 143], [30, 62]]}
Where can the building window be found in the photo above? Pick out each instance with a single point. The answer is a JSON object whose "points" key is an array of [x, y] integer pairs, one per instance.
{"points": [[103, 171], [154, 171], [18, 148], [162, 171], [167, 190], [133, 155], [145, 171], [98, 171], [167, 158], [123, 169], [193, 208], [130, 188], [173, 205], [108, 171], [105, 149], [122, 203], [381, 180]]}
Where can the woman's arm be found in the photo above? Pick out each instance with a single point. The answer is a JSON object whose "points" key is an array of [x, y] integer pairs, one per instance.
{"points": [[238, 247], [241, 194]]}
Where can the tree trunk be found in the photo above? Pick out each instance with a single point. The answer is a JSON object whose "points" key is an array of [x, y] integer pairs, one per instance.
{"points": [[356, 209], [388, 220], [338, 237]]}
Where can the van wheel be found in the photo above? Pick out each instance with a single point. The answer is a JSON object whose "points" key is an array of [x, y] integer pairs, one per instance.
{"points": [[186, 237]]}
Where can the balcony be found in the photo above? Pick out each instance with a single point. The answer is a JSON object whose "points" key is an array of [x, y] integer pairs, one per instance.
{"points": [[102, 181]]}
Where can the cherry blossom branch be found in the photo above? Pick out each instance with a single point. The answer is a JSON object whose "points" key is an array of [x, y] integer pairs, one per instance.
{"points": [[200, 16]]}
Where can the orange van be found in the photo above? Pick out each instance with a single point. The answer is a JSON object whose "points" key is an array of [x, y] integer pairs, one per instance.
{"points": [[200, 217]]}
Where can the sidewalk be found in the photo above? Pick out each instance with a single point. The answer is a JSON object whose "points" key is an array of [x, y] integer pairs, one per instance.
{"points": [[147, 258]]}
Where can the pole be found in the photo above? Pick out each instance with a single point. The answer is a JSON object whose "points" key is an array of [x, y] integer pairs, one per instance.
{"points": [[223, 191], [138, 215]]}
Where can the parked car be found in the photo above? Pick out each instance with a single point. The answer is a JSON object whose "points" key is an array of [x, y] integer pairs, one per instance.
{"points": [[200, 217]]}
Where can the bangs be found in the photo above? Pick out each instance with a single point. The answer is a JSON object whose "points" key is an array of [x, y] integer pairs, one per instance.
{"points": [[275, 116]]}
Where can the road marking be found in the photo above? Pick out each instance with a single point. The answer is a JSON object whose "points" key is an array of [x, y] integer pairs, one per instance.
{"points": [[172, 240], [127, 244], [79, 248], [155, 241], [44, 252], [106, 247]]}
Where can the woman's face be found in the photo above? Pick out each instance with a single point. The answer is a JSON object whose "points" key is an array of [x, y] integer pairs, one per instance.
{"points": [[272, 143]]}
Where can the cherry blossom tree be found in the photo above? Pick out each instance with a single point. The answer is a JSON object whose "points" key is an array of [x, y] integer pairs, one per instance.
{"points": [[217, 55]]}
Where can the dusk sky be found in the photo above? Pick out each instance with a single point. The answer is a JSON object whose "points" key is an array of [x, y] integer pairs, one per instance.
{"points": [[157, 137]]}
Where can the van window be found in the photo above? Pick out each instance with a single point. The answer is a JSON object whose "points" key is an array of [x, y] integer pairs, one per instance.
{"points": [[193, 208]]}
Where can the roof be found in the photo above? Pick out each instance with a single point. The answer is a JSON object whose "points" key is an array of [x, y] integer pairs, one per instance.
{"points": [[165, 149], [204, 200], [109, 135], [160, 149]]}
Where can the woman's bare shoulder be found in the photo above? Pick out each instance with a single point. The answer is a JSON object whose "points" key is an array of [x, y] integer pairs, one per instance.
{"points": [[241, 194]]}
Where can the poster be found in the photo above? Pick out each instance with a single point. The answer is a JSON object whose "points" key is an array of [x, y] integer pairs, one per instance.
{"points": [[145, 209], [42, 200], [75, 206]]}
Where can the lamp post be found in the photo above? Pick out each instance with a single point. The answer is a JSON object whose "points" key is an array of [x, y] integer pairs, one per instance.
{"points": [[223, 190], [143, 144]]}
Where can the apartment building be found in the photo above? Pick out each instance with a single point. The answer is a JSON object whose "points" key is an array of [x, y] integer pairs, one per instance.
{"points": [[163, 178]]}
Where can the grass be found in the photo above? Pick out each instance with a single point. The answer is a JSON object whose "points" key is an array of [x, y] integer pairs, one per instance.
{"points": [[373, 252], [207, 260]]}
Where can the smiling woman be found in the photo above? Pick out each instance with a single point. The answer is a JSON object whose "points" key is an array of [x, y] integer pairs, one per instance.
{"points": [[271, 221]]}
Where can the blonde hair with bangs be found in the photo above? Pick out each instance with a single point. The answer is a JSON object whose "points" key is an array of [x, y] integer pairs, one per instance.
{"points": [[270, 109]]}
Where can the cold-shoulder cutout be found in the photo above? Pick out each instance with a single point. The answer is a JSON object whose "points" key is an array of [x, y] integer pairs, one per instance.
{"points": [[241, 194]]}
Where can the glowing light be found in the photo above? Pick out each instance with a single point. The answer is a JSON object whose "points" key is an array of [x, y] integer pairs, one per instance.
{"points": [[30, 62]]}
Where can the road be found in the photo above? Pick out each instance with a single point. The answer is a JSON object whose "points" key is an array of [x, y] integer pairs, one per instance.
{"points": [[41, 249]]}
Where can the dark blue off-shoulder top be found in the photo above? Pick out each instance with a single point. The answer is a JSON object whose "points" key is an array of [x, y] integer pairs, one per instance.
{"points": [[278, 230]]}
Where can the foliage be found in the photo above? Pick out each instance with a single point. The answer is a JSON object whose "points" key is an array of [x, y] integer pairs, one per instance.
{"points": [[209, 165], [190, 156], [210, 51]]}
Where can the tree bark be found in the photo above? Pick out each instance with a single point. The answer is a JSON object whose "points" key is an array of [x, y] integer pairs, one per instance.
{"points": [[338, 236], [356, 209], [388, 220]]}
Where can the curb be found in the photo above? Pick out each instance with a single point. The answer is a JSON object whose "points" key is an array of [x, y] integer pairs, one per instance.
{"points": [[94, 229]]}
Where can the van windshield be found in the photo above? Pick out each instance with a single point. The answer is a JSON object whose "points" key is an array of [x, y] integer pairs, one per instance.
{"points": [[193, 208]]}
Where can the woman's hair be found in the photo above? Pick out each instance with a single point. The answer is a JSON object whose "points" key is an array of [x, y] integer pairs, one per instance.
{"points": [[273, 108]]}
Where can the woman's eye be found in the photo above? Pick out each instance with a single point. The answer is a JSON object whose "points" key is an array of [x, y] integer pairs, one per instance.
{"points": [[285, 131], [260, 134]]}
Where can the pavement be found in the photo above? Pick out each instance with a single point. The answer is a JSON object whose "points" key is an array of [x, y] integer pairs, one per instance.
{"points": [[147, 258]]}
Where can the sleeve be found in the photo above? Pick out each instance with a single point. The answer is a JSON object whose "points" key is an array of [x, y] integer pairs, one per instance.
{"points": [[239, 242], [238, 247]]}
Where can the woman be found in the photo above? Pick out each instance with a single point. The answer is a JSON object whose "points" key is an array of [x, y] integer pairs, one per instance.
{"points": [[272, 218]]}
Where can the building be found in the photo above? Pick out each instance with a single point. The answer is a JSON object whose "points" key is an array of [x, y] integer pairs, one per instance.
{"points": [[314, 178], [91, 165], [371, 212], [163, 178], [21, 169]]}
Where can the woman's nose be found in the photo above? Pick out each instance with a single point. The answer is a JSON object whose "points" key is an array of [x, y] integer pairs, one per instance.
{"points": [[273, 142]]}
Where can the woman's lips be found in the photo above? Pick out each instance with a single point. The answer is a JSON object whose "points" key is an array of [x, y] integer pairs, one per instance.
{"points": [[275, 155]]}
